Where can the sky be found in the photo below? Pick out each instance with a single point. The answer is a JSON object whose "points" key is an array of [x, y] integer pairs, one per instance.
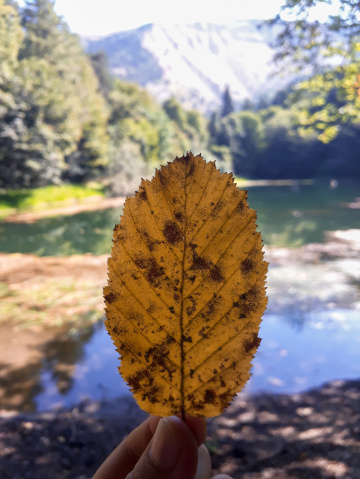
{"points": [[98, 17], [102, 17]]}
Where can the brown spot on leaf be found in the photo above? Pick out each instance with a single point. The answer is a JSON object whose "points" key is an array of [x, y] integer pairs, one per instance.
{"points": [[186, 339], [169, 340], [209, 396], [191, 309], [216, 274], [179, 216], [172, 232], [110, 297], [156, 357], [199, 263], [202, 332], [211, 306], [150, 243], [191, 170], [198, 406], [254, 342], [152, 394], [225, 399], [151, 308], [141, 262], [247, 266], [134, 381], [143, 195], [161, 177]]}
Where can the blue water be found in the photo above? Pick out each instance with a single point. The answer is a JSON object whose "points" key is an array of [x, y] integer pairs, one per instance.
{"points": [[290, 359]]}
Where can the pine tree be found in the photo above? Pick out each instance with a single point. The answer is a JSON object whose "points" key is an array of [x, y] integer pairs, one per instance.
{"points": [[227, 103], [213, 126]]}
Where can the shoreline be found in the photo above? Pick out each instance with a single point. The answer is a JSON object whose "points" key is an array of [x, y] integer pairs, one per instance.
{"points": [[93, 203], [90, 204], [263, 436]]}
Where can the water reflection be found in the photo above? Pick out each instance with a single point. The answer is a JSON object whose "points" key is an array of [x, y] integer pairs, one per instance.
{"points": [[89, 232], [95, 376], [289, 360], [27, 355], [286, 217]]}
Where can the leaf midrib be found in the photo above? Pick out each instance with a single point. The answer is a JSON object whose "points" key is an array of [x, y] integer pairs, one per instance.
{"points": [[182, 352]]}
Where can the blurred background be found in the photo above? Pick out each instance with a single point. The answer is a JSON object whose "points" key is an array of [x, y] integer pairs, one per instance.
{"points": [[96, 95]]}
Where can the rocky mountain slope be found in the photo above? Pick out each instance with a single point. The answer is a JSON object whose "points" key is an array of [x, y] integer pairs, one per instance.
{"points": [[193, 62]]}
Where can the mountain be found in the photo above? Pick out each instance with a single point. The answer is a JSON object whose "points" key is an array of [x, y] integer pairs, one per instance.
{"points": [[193, 62]]}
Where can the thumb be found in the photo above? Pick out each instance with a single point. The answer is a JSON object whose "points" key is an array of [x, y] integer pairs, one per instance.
{"points": [[172, 453]]}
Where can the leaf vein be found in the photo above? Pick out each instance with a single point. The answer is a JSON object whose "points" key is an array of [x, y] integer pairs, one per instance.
{"points": [[202, 195], [142, 236], [140, 359], [150, 315], [217, 322], [216, 350]]}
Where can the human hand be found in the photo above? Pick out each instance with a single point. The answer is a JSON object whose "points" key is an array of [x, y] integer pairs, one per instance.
{"points": [[161, 448]]}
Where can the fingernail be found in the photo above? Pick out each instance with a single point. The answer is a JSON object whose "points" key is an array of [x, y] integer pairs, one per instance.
{"points": [[165, 448]]}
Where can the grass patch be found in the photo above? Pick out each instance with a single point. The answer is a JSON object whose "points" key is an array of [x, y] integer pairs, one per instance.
{"points": [[52, 302], [18, 201]]}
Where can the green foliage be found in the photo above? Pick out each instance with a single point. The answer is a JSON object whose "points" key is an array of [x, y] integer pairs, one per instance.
{"points": [[10, 40], [242, 134], [135, 117], [51, 107], [329, 54], [140, 136], [175, 112], [328, 101], [307, 42], [100, 65]]}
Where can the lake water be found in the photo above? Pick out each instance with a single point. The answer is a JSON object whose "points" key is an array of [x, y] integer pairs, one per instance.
{"points": [[290, 359], [302, 347], [287, 216]]}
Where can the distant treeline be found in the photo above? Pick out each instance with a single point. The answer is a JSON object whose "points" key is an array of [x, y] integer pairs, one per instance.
{"points": [[64, 118]]}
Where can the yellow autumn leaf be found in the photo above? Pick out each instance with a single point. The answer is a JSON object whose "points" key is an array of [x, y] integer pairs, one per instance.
{"points": [[186, 289]]}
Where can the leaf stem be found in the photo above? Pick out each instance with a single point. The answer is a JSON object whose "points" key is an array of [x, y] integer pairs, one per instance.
{"points": [[183, 417]]}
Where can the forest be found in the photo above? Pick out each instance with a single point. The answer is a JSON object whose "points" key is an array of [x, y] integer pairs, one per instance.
{"points": [[65, 119]]}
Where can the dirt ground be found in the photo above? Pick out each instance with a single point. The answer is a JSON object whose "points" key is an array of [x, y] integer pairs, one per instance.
{"points": [[314, 435]]}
